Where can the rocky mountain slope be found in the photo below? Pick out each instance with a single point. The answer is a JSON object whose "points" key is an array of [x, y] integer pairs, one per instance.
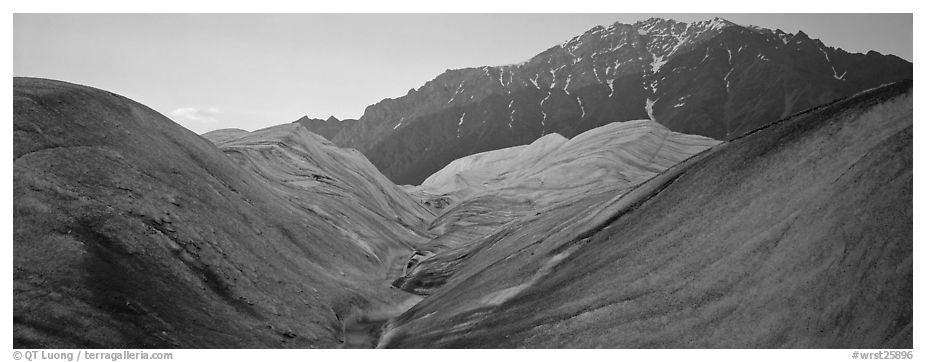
{"points": [[328, 128], [794, 235], [711, 78], [131, 231]]}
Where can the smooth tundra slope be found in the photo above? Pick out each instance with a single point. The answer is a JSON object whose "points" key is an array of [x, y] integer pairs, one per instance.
{"points": [[554, 167], [796, 235], [131, 231], [338, 185], [490, 190]]}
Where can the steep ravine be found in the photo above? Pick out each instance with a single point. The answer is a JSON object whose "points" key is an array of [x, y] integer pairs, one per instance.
{"points": [[361, 327], [326, 180], [498, 190]]}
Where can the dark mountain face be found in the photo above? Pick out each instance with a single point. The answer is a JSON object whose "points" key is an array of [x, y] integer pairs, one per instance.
{"points": [[328, 128], [711, 78]]}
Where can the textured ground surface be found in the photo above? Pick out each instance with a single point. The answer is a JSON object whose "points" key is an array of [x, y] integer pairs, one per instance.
{"points": [[796, 235], [495, 191], [553, 167], [130, 231]]}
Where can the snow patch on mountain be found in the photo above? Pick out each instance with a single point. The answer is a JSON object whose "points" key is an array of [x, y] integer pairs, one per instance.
{"points": [[649, 108], [511, 114], [726, 77], [832, 67], [459, 91], [460, 124], [579, 99], [399, 124], [534, 81], [542, 101], [553, 74], [707, 53]]}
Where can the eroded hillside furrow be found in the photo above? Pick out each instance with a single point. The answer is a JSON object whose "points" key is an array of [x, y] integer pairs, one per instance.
{"points": [[130, 231], [525, 191], [797, 235]]}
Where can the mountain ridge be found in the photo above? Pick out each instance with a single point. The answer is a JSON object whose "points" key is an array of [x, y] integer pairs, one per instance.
{"points": [[740, 78]]}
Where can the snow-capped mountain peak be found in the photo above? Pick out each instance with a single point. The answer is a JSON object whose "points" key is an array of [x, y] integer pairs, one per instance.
{"points": [[713, 78]]}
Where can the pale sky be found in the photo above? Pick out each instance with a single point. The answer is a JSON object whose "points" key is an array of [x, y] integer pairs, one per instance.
{"points": [[252, 71]]}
